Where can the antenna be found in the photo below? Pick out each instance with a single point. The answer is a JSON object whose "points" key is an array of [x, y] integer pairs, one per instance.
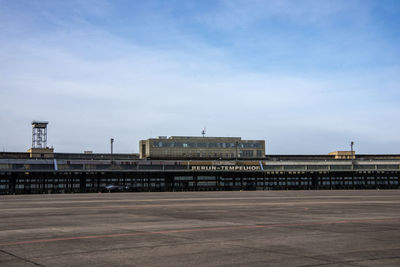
{"points": [[39, 134], [203, 132], [351, 145]]}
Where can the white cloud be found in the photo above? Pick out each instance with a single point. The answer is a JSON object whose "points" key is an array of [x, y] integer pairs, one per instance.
{"points": [[92, 85]]}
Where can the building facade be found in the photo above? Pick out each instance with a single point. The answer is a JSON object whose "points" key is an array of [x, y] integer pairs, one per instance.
{"points": [[187, 147], [343, 154]]}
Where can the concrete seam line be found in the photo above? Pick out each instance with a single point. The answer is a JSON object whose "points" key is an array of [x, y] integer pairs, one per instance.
{"points": [[221, 228]]}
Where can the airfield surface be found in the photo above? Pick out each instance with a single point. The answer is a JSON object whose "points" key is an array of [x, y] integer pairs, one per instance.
{"points": [[248, 228]]}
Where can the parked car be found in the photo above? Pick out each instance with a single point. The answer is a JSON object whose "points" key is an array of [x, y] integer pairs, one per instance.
{"points": [[114, 188]]}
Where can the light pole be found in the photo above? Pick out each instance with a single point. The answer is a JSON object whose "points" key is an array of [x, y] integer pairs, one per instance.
{"points": [[352, 153], [112, 142]]}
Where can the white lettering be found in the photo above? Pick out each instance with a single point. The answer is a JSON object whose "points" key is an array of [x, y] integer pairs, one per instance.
{"points": [[226, 168]]}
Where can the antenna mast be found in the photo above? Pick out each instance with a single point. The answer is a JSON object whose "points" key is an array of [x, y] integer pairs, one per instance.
{"points": [[39, 134], [203, 132]]}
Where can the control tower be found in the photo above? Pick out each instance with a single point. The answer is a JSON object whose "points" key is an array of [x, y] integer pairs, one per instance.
{"points": [[39, 147]]}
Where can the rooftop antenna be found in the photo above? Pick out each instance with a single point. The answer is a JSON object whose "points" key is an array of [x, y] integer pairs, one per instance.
{"points": [[351, 145], [203, 132]]}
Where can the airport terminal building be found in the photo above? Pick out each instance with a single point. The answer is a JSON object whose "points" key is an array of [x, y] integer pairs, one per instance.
{"points": [[188, 147], [185, 163]]}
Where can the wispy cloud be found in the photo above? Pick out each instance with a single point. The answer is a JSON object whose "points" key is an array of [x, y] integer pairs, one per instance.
{"points": [[92, 81]]}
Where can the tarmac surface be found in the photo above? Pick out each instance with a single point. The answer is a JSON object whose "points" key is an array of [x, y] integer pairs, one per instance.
{"points": [[253, 228]]}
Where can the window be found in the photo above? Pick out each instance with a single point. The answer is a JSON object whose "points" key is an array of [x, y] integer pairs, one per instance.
{"points": [[212, 145], [247, 153], [201, 144]]}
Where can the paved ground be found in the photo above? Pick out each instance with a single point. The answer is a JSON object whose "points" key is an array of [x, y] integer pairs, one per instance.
{"points": [[260, 228]]}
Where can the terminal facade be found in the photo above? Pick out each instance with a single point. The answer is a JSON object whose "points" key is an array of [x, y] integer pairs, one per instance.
{"points": [[181, 163], [78, 173], [188, 147]]}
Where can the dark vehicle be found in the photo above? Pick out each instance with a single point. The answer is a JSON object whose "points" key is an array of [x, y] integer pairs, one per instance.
{"points": [[114, 188], [117, 188]]}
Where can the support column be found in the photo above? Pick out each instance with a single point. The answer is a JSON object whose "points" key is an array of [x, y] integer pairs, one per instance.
{"points": [[82, 182], [195, 182], [12, 183], [398, 180], [170, 183], [314, 182], [98, 177], [264, 176]]}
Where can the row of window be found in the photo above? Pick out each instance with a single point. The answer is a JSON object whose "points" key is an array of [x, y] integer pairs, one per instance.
{"points": [[222, 182], [327, 167], [240, 154], [206, 144], [184, 178]]}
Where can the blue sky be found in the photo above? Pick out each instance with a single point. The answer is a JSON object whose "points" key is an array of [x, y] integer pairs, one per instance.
{"points": [[306, 76]]}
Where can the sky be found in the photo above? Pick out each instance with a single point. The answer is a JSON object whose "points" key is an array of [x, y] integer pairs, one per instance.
{"points": [[307, 76]]}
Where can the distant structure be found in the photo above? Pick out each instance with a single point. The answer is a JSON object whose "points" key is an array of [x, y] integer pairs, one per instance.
{"points": [[39, 134], [203, 132], [343, 154], [39, 147], [192, 147]]}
